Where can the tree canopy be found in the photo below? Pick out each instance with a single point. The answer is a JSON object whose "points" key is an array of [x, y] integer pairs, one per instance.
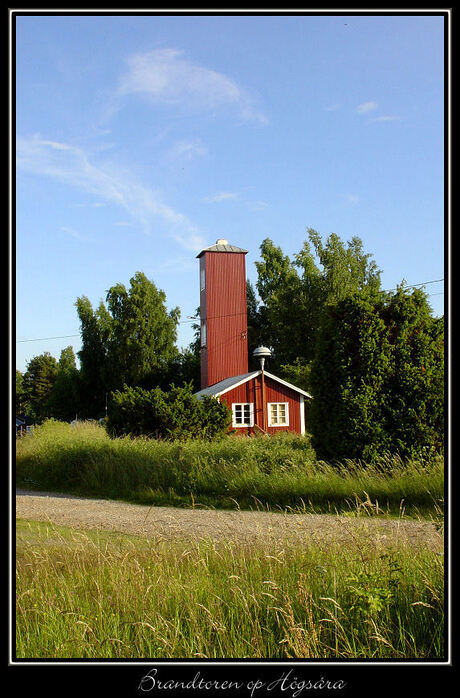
{"points": [[129, 341], [294, 294], [38, 381], [378, 377]]}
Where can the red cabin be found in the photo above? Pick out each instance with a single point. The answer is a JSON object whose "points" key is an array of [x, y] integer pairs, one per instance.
{"points": [[260, 402]]}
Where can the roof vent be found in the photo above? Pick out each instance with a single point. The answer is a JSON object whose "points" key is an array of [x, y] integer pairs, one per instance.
{"points": [[221, 241], [262, 353]]}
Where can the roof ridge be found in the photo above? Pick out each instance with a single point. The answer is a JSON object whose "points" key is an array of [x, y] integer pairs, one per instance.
{"points": [[227, 384], [223, 248]]}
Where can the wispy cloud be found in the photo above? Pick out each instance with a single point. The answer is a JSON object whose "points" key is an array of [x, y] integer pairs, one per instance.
{"points": [[257, 205], [221, 196], [187, 150], [107, 181], [366, 107], [166, 77], [68, 230], [351, 199], [95, 204], [233, 196], [385, 118]]}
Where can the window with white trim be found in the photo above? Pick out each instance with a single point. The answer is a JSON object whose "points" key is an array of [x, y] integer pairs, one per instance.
{"points": [[278, 414], [202, 279], [203, 333], [243, 414]]}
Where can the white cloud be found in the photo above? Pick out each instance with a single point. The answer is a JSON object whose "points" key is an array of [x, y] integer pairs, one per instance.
{"points": [[68, 230], [107, 181], [186, 150], [385, 118], [166, 77], [257, 205], [366, 107], [221, 196], [351, 199]]}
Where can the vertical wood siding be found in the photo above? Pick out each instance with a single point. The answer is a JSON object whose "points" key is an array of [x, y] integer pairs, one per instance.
{"points": [[223, 307], [251, 391]]}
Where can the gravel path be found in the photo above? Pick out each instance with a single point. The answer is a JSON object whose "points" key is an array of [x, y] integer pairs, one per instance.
{"points": [[249, 526]]}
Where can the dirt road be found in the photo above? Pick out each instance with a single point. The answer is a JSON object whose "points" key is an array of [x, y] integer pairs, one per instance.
{"points": [[249, 526]]}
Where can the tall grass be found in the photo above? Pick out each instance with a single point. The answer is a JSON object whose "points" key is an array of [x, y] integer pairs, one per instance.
{"points": [[105, 595], [279, 471]]}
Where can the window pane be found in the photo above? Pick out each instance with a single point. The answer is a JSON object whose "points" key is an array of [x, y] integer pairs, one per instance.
{"points": [[242, 414]]}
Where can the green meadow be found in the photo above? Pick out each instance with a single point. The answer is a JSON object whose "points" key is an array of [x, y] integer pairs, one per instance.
{"points": [[276, 472], [105, 595], [96, 595]]}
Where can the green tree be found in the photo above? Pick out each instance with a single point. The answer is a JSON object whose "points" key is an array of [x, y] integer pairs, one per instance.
{"points": [[377, 377], [414, 405], [38, 382], [142, 339], [295, 294], [184, 368], [131, 340], [93, 375], [20, 393], [63, 400], [256, 334]]}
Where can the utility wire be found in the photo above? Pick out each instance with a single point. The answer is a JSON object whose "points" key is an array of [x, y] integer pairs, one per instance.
{"points": [[214, 317], [414, 286], [39, 339]]}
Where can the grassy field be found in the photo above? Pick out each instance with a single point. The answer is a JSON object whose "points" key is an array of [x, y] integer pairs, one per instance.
{"points": [[94, 595], [276, 472]]}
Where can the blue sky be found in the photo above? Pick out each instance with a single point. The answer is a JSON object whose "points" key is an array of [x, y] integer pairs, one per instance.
{"points": [[142, 139]]}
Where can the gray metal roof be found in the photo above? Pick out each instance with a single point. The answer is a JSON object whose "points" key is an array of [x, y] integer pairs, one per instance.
{"points": [[229, 383], [222, 248], [226, 384]]}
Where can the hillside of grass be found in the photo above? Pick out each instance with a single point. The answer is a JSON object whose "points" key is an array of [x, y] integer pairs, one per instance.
{"points": [[277, 472]]}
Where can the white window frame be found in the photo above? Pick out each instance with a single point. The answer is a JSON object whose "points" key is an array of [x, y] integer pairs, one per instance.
{"points": [[269, 410], [202, 279], [239, 425], [203, 333]]}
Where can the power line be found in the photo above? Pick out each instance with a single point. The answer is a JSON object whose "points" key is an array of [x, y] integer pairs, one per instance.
{"points": [[414, 286], [214, 317], [40, 339]]}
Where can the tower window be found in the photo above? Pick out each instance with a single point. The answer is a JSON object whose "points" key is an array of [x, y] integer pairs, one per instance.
{"points": [[202, 279], [203, 333]]}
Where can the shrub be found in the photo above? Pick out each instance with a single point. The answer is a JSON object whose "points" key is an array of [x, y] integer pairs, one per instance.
{"points": [[378, 378], [173, 414]]}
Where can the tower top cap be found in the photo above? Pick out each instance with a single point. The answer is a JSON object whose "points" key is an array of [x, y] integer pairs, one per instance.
{"points": [[261, 351], [222, 245]]}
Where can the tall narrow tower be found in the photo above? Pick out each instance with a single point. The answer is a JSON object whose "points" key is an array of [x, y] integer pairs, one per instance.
{"points": [[224, 324]]}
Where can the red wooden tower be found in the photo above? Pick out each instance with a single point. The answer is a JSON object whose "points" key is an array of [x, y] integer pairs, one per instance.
{"points": [[259, 401], [224, 327]]}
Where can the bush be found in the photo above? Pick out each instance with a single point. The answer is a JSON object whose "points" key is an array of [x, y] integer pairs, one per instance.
{"points": [[174, 414], [378, 378]]}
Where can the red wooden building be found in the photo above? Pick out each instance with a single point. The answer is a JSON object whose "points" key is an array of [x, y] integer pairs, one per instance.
{"points": [[259, 400]]}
